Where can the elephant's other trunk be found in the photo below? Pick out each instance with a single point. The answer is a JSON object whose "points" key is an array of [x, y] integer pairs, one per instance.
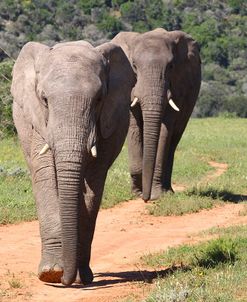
{"points": [[151, 129]]}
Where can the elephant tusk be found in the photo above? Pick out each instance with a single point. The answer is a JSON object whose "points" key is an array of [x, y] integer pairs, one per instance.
{"points": [[134, 102], [44, 149], [94, 151], [173, 105]]}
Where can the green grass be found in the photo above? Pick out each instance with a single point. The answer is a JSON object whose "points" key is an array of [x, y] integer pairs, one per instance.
{"points": [[218, 139], [180, 204], [16, 198], [210, 271], [117, 187], [223, 140]]}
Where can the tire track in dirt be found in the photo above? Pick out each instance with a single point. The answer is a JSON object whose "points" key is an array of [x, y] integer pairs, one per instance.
{"points": [[123, 234]]}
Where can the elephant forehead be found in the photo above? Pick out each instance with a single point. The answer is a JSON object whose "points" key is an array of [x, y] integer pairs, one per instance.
{"points": [[68, 57], [64, 79], [154, 42], [153, 49]]}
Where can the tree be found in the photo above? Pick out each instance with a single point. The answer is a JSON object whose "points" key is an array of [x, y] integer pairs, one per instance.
{"points": [[110, 25]]}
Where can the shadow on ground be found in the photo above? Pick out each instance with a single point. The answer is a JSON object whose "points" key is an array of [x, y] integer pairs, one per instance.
{"points": [[223, 195], [109, 279]]}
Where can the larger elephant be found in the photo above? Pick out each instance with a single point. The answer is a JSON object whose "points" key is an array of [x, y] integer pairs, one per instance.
{"points": [[71, 111], [168, 69]]}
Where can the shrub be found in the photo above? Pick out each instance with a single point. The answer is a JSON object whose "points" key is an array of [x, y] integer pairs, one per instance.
{"points": [[6, 122], [223, 250], [110, 25]]}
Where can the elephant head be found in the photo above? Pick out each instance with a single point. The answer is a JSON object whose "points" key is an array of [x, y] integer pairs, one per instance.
{"points": [[166, 65], [73, 95]]}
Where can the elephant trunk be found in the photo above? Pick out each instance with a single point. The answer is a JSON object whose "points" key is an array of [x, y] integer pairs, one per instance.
{"points": [[151, 130], [73, 137], [69, 176], [152, 106]]}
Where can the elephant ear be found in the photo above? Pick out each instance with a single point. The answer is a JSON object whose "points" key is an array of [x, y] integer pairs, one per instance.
{"points": [[186, 73], [120, 80], [127, 42], [24, 84], [186, 48]]}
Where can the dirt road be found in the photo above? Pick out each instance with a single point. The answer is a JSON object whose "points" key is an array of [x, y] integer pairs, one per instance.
{"points": [[122, 235]]}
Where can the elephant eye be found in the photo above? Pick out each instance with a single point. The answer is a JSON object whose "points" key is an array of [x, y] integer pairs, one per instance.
{"points": [[134, 66], [44, 99], [170, 66]]}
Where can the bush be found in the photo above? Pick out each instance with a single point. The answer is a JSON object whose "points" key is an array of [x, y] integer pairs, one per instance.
{"points": [[110, 25], [211, 99], [6, 121], [223, 250]]}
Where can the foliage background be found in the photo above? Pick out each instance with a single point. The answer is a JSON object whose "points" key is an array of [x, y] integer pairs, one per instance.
{"points": [[218, 26]]}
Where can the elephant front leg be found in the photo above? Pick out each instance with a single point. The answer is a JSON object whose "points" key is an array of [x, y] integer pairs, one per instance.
{"points": [[45, 191], [93, 190], [161, 161], [167, 174], [135, 150]]}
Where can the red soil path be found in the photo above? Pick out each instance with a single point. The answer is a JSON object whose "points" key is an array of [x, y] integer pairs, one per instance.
{"points": [[122, 235]]}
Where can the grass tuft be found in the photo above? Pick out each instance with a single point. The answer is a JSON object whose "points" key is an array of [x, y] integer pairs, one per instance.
{"points": [[222, 250], [179, 204], [14, 282], [209, 254]]}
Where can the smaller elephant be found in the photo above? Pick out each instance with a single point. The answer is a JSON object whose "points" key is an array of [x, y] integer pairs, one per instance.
{"points": [[168, 70], [71, 111]]}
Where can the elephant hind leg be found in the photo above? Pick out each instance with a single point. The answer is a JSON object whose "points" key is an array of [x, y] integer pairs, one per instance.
{"points": [[135, 150]]}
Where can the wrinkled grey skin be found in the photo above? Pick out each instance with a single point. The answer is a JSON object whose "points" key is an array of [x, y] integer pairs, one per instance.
{"points": [[167, 65], [72, 96]]}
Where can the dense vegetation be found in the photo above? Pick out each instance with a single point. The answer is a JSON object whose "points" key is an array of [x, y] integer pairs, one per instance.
{"points": [[218, 26]]}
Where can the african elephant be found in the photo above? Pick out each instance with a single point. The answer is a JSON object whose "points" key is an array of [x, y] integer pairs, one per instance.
{"points": [[71, 111], [168, 69]]}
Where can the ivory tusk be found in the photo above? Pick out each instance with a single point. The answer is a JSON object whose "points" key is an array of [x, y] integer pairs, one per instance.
{"points": [[134, 102], [173, 105], [94, 151], [44, 149]]}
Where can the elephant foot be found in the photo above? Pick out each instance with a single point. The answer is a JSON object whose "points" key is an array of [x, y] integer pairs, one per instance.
{"points": [[50, 270], [136, 187], [51, 274], [137, 193], [168, 190], [156, 193], [84, 276]]}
